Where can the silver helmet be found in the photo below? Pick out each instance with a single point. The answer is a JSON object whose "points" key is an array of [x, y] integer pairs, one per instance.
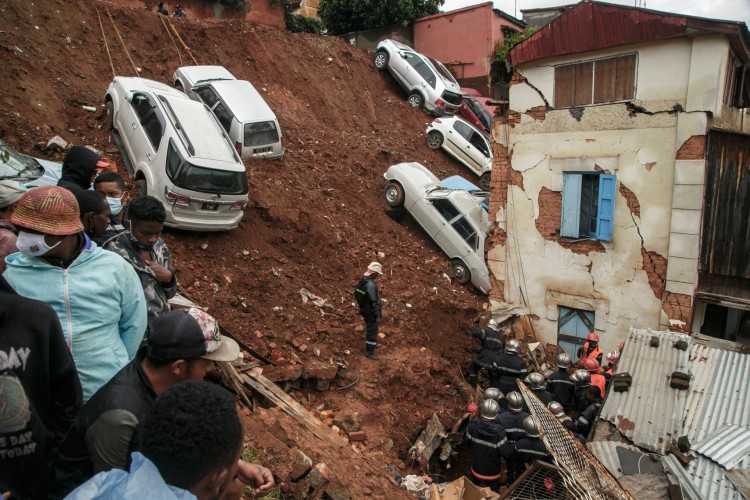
{"points": [[536, 381], [531, 427], [582, 377], [515, 401], [489, 409], [556, 409], [493, 393], [512, 346], [493, 324], [563, 360]]}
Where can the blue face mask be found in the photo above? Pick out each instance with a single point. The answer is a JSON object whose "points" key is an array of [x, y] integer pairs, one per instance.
{"points": [[115, 205], [140, 246]]}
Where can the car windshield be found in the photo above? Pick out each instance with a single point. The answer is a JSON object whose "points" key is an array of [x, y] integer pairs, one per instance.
{"points": [[14, 165], [443, 70], [474, 106], [261, 133], [185, 175]]}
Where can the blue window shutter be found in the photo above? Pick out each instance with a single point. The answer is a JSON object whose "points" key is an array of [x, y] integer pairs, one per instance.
{"points": [[606, 211], [571, 205]]}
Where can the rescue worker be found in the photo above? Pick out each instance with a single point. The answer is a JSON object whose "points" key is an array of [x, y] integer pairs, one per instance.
{"points": [[497, 395], [559, 382], [368, 299], [512, 422], [489, 444], [585, 419], [161, 9], [590, 349], [531, 448], [535, 380], [597, 379], [510, 366], [485, 359], [489, 336], [558, 411], [582, 378], [612, 358]]}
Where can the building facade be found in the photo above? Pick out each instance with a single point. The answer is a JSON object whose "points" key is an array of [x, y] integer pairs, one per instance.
{"points": [[620, 166]]}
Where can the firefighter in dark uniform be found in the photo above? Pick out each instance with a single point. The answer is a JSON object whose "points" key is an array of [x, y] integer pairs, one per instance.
{"points": [[585, 420], [491, 344], [535, 381], [489, 444], [582, 378], [512, 422], [510, 366], [368, 299], [559, 382], [531, 447], [489, 336]]}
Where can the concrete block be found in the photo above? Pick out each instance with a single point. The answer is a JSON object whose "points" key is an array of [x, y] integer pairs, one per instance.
{"points": [[682, 270], [689, 172], [336, 491], [321, 371], [688, 197], [301, 464], [319, 476], [684, 245], [280, 374], [678, 287], [685, 221]]}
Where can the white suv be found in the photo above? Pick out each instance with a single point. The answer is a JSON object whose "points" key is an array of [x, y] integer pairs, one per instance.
{"points": [[428, 83], [178, 152]]}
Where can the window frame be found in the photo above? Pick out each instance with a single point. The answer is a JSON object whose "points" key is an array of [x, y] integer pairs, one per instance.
{"points": [[570, 216], [579, 67]]}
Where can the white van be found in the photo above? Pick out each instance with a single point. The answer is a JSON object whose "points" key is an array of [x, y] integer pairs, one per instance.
{"points": [[241, 110]]}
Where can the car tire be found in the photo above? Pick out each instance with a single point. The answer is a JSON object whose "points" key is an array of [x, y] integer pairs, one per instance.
{"points": [[416, 100], [484, 181], [142, 187], [110, 107], [394, 195], [435, 139], [460, 272], [381, 60]]}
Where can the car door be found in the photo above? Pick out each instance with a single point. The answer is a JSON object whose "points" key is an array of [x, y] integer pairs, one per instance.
{"points": [[479, 153], [458, 142], [448, 237], [145, 135], [412, 75]]}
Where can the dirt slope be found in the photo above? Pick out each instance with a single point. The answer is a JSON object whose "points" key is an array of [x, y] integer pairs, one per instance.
{"points": [[316, 218]]}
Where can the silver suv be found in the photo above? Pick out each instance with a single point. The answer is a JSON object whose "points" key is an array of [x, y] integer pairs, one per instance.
{"points": [[178, 152], [428, 83]]}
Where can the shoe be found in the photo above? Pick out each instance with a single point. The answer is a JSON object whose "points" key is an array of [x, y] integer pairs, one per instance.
{"points": [[378, 345], [372, 355]]}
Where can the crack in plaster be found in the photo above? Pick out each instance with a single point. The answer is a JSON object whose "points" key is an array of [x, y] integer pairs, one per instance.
{"points": [[541, 95]]}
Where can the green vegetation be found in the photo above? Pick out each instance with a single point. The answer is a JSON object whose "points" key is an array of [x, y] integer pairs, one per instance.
{"points": [[297, 23], [345, 16], [511, 40]]}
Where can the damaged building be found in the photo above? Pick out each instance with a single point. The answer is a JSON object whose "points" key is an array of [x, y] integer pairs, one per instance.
{"points": [[621, 177]]}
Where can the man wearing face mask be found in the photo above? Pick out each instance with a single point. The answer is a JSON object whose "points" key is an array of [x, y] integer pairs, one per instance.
{"points": [[94, 215], [146, 251], [95, 293], [112, 185]]}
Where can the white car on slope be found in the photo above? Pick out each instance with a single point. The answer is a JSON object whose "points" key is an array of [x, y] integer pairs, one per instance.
{"points": [[453, 218], [465, 143]]}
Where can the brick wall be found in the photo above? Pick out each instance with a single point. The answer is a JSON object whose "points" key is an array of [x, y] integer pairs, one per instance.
{"points": [[679, 307], [548, 224], [692, 149]]}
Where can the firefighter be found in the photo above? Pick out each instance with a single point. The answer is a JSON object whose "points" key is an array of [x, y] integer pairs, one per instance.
{"points": [[497, 395], [590, 349], [489, 444], [612, 358], [538, 387], [512, 422], [531, 448], [488, 336], [582, 378], [597, 379], [485, 359], [585, 419], [558, 411], [509, 366], [559, 382]]}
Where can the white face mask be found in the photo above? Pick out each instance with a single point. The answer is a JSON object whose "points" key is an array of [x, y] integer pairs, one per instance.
{"points": [[33, 245]]}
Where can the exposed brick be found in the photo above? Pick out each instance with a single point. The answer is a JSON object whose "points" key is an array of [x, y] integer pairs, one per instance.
{"points": [[633, 205], [323, 371], [548, 224], [357, 436], [679, 307], [282, 373], [692, 149], [656, 270], [301, 464], [537, 112]]}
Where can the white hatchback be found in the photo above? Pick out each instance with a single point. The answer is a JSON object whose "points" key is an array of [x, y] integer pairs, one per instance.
{"points": [[465, 143]]}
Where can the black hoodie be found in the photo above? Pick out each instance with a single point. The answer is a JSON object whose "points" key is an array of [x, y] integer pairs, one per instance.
{"points": [[39, 392], [78, 169]]}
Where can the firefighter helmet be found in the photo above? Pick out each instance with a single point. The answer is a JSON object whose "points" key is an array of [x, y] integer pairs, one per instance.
{"points": [[493, 324], [512, 346], [563, 360], [556, 409], [591, 365], [593, 337], [515, 401], [535, 380], [582, 377], [531, 427], [489, 409], [493, 393]]}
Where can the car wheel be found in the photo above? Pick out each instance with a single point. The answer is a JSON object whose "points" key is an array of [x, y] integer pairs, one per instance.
{"points": [[460, 272], [416, 100], [484, 181], [434, 140], [142, 187], [110, 113], [381, 59], [394, 195]]}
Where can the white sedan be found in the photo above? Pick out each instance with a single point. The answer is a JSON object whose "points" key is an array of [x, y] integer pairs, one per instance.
{"points": [[465, 143]]}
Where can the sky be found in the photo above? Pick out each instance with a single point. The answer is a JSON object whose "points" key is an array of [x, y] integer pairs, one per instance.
{"points": [[735, 10]]}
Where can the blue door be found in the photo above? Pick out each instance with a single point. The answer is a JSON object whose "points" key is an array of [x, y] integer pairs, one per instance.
{"points": [[573, 326]]}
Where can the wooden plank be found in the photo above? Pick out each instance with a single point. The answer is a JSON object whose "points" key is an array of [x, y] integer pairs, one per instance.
{"points": [[605, 74], [292, 408], [564, 85], [584, 82], [625, 78], [429, 441]]}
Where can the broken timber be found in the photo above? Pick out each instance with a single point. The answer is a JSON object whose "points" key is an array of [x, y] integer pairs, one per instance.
{"points": [[291, 407], [429, 441]]}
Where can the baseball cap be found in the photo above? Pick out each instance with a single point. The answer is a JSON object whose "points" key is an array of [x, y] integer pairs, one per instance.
{"points": [[10, 192], [189, 333], [48, 210]]}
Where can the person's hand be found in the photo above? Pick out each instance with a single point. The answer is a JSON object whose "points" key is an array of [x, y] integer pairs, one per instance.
{"points": [[257, 476], [163, 274]]}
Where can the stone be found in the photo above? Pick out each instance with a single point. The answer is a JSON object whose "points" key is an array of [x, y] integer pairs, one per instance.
{"points": [[57, 143], [283, 373], [336, 491], [319, 476], [258, 334], [381, 335], [683, 443], [328, 421], [654, 341], [324, 414], [321, 371], [349, 424], [322, 385], [301, 464], [357, 436]]}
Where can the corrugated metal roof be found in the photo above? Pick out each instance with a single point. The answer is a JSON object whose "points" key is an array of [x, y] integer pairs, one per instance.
{"points": [[591, 26], [704, 479], [740, 479], [606, 452], [650, 413], [726, 446]]}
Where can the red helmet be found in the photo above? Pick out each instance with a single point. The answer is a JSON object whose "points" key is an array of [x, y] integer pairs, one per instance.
{"points": [[591, 365], [613, 356], [593, 337]]}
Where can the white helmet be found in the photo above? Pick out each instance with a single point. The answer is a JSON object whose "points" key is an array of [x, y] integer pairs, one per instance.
{"points": [[493, 393], [556, 409], [375, 267], [535, 380], [531, 427], [563, 360], [493, 324], [489, 409], [513, 346], [515, 401]]}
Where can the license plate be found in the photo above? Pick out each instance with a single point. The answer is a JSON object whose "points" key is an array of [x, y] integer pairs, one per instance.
{"points": [[210, 206], [262, 150]]}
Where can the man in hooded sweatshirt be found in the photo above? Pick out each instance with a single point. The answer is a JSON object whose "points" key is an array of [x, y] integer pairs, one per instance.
{"points": [[79, 169]]}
